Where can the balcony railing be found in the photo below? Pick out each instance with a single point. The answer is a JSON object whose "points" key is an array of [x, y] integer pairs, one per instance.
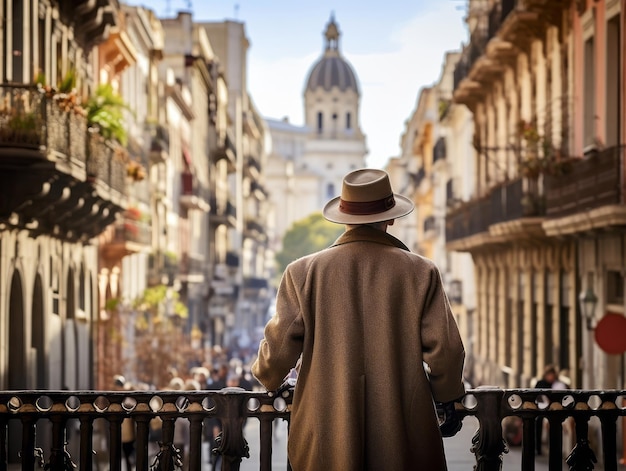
{"points": [[506, 202], [25, 415], [589, 184], [29, 119]]}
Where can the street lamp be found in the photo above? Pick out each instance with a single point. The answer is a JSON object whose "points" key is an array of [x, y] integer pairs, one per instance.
{"points": [[588, 301]]}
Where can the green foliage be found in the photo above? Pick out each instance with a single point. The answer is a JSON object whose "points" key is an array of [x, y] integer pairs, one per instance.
{"points": [[306, 236], [156, 296], [68, 83], [105, 110]]}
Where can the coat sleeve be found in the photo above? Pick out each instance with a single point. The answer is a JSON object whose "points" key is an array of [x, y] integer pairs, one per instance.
{"points": [[284, 337], [441, 343]]}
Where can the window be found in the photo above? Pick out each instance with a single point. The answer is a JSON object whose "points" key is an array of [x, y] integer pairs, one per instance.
{"points": [[613, 67], [588, 93], [348, 121], [614, 288], [320, 122]]}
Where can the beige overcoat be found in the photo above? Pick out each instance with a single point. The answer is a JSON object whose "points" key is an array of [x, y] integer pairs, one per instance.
{"points": [[363, 314]]}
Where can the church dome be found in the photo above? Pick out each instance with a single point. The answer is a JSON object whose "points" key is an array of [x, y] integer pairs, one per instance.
{"points": [[332, 70]]}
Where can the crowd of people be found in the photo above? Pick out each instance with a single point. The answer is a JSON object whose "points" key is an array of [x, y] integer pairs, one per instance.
{"points": [[221, 372]]}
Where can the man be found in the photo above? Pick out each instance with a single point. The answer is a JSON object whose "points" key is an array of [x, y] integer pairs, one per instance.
{"points": [[362, 316], [547, 381]]}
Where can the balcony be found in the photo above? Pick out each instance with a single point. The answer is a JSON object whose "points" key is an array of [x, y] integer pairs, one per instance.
{"points": [[57, 176], [511, 25], [130, 235], [226, 149], [254, 227], [193, 268], [163, 268], [26, 413], [430, 227], [590, 195], [159, 143], [222, 212], [512, 211], [193, 195]]}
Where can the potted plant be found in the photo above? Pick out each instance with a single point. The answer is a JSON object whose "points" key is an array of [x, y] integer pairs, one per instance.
{"points": [[105, 112]]}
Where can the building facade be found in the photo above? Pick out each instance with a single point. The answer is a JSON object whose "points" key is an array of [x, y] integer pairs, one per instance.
{"points": [[61, 187], [307, 163], [547, 102]]}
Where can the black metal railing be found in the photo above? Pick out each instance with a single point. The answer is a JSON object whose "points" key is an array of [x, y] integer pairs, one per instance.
{"points": [[32, 118], [24, 415], [587, 184], [506, 202]]}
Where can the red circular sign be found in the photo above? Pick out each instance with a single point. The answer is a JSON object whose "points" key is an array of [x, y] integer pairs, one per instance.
{"points": [[611, 333]]}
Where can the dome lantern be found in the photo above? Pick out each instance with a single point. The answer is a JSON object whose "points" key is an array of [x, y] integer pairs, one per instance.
{"points": [[332, 70]]}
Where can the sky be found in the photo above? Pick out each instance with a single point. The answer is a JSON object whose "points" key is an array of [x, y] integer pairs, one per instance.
{"points": [[396, 47]]}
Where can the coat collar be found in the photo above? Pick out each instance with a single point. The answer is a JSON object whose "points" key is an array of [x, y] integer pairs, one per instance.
{"points": [[367, 233]]}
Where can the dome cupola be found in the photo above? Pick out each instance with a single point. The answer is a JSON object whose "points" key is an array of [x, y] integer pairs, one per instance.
{"points": [[332, 70]]}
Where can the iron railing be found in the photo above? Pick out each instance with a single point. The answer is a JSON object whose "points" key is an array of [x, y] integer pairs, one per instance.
{"points": [[587, 184], [32, 118], [505, 202], [24, 413]]}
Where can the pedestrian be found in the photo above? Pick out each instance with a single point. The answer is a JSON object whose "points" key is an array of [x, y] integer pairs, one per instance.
{"points": [[363, 315], [546, 381]]}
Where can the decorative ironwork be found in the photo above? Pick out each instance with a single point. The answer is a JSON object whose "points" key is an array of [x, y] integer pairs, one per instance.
{"points": [[234, 406]]}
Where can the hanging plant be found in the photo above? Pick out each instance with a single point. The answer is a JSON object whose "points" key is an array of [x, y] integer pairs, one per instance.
{"points": [[105, 111], [539, 155]]}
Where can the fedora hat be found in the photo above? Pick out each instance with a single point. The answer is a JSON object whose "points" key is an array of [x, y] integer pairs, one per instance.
{"points": [[366, 197]]}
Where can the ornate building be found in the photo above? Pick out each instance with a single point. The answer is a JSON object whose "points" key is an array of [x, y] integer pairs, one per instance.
{"points": [[61, 188], [544, 224], [307, 163]]}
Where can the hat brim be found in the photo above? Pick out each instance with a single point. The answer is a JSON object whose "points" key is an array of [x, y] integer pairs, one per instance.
{"points": [[332, 213]]}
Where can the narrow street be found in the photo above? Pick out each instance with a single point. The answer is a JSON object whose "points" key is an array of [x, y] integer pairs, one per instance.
{"points": [[457, 450]]}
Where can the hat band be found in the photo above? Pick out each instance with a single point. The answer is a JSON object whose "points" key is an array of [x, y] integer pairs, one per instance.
{"points": [[362, 208]]}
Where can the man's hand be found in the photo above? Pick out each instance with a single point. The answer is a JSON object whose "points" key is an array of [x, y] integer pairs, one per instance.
{"points": [[449, 421]]}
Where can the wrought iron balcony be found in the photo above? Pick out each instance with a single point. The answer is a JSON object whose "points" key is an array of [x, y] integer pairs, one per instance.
{"points": [[587, 184], [226, 149], [222, 212], [57, 176], [159, 143], [508, 212], [35, 426], [193, 194], [130, 235]]}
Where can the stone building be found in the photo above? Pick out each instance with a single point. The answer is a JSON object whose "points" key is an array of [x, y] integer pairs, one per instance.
{"points": [[61, 190], [434, 149], [247, 260], [545, 222], [307, 163]]}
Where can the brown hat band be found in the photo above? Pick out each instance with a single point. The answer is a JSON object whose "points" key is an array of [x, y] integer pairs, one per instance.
{"points": [[362, 208]]}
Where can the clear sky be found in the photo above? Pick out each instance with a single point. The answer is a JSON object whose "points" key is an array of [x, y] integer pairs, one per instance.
{"points": [[396, 47]]}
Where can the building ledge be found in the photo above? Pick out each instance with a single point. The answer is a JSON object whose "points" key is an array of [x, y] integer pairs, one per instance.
{"points": [[594, 219]]}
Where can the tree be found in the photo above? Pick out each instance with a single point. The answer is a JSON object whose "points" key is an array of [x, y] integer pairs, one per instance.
{"points": [[306, 236]]}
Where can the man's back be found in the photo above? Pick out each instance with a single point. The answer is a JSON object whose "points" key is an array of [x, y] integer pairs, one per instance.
{"points": [[364, 314]]}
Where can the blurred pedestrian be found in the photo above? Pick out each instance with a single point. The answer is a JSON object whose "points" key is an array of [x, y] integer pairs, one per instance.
{"points": [[363, 315], [546, 381]]}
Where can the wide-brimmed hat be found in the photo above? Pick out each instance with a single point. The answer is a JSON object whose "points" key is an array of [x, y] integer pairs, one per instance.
{"points": [[366, 197]]}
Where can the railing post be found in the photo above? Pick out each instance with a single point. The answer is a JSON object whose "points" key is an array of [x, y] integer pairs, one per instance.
{"points": [[488, 444], [4, 425], [609, 445], [195, 437], [231, 444], [141, 448], [582, 457], [86, 443]]}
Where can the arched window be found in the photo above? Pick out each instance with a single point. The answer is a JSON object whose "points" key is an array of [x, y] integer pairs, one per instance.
{"points": [[348, 120], [319, 122]]}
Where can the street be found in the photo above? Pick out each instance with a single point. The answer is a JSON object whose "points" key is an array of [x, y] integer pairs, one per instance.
{"points": [[457, 448]]}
